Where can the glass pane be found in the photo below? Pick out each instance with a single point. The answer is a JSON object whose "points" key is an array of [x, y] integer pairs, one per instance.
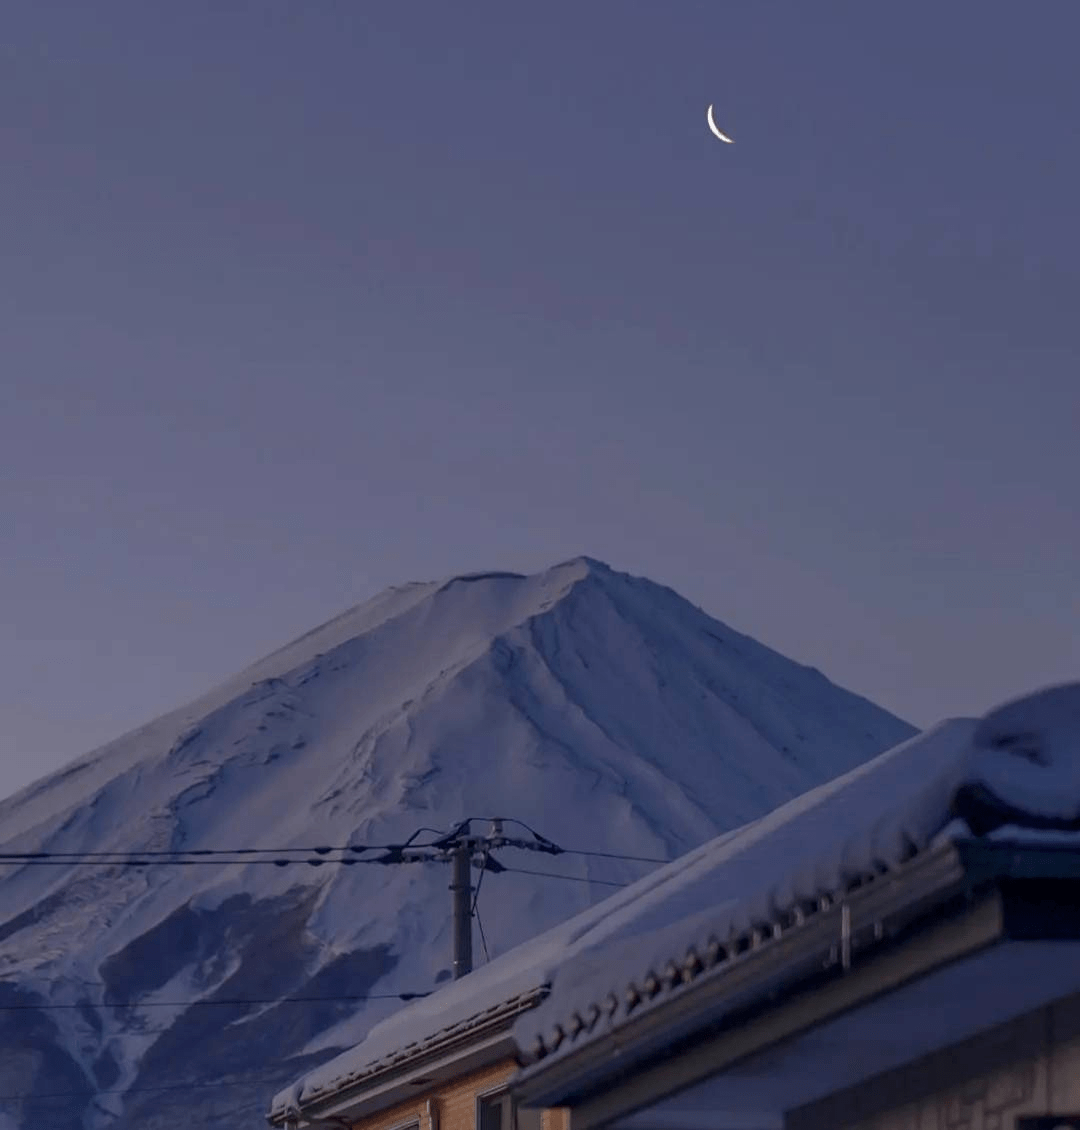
{"points": [[489, 1113]]}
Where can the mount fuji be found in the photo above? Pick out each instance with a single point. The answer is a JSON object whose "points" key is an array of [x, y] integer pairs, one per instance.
{"points": [[603, 710]]}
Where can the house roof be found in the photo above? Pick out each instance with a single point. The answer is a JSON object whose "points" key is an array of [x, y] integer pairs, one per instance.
{"points": [[1019, 764], [350, 1072], [1014, 772]]}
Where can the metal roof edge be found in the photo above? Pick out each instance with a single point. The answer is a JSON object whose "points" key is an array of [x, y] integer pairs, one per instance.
{"points": [[610, 1039], [423, 1076], [444, 1046]]}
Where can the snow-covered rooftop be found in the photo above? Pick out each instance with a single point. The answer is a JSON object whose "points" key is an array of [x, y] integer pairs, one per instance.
{"points": [[1014, 773], [1019, 764]]}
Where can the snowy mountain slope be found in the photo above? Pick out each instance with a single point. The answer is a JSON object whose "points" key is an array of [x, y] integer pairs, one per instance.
{"points": [[603, 710]]}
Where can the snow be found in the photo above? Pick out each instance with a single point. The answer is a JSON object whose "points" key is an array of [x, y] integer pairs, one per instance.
{"points": [[1026, 753], [601, 709]]}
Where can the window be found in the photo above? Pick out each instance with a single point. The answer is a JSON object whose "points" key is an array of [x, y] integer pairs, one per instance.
{"points": [[496, 1111], [493, 1111]]}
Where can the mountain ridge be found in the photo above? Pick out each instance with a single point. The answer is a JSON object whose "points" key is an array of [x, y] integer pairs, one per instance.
{"points": [[588, 703]]}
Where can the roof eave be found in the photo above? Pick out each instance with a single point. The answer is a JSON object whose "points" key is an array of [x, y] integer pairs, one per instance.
{"points": [[466, 1050], [878, 917], [423, 1075]]}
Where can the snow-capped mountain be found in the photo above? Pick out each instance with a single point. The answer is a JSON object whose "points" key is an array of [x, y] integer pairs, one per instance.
{"points": [[602, 710]]}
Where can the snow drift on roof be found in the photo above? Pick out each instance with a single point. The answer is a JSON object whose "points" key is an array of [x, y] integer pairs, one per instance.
{"points": [[1019, 766], [1019, 763]]}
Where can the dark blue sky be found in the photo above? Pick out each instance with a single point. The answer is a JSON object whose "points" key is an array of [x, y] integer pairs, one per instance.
{"points": [[306, 299]]}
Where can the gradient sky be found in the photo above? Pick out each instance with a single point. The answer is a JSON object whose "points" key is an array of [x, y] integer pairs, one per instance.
{"points": [[300, 300]]}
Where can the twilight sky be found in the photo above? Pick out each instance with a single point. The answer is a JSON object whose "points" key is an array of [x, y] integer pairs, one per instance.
{"points": [[301, 300]]}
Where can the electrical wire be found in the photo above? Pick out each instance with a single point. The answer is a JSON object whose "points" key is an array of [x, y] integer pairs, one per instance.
{"points": [[184, 862], [474, 910], [615, 855], [532, 831], [576, 851], [183, 854], [281, 857], [320, 849], [556, 875], [233, 1001], [483, 938], [559, 850], [479, 883], [31, 1098], [144, 861], [317, 862]]}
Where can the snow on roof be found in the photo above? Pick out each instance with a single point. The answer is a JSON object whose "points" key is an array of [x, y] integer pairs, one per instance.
{"points": [[349, 1069], [1019, 766], [1021, 761]]}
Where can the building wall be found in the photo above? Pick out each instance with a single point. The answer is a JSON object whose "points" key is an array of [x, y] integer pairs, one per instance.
{"points": [[455, 1103], [1029, 1066]]}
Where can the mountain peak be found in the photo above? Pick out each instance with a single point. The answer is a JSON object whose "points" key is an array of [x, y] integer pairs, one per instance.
{"points": [[581, 566], [601, 709]]}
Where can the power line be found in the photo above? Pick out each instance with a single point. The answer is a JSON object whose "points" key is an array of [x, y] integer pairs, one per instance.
{"points": [[444, 847], [31, 1098], [192, 855], [548, 844], [615, 855], [217, 1001], [143, 861], [317, 849], [483, 939], [282, 856], [578, 851], [475, 911], [320, 849], [571, 878], [476, 891], [224, 859], [458, 845]]}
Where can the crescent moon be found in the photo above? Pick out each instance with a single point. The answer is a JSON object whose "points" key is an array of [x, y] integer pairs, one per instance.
{"points": [[716, 132]]}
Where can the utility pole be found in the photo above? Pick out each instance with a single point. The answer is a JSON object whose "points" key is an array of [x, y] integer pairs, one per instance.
{"points": [[465, 851], [461, 888]]}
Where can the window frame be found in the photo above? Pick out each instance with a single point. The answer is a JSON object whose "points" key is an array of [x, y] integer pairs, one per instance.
{"points": [[501, 1091], [510, 1108]]}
